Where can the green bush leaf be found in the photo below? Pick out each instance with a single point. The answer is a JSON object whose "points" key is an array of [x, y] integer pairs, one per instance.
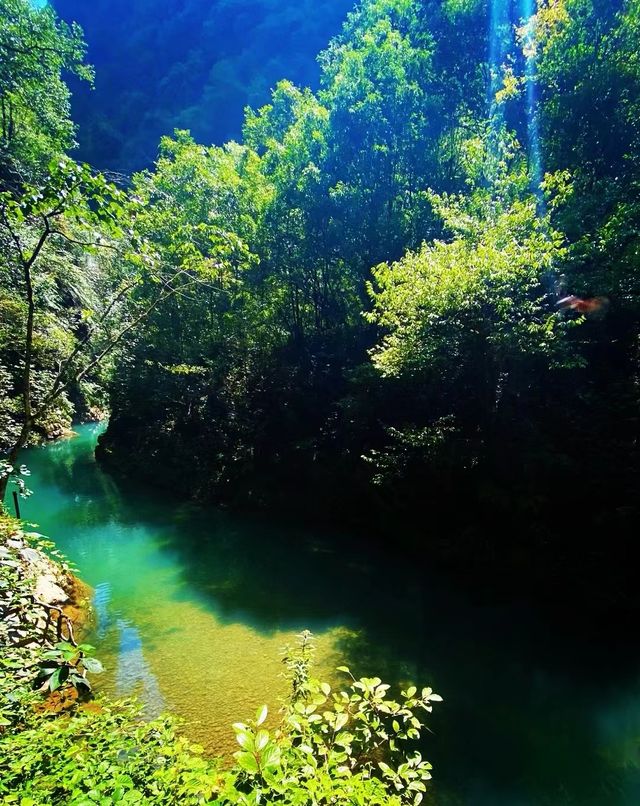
{"points": [[58, 678], [245, 740], [92, 665], [261, 740], [247, 762], [271, 755]]}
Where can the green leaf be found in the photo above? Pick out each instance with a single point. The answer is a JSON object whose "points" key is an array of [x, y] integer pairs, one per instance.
{"points": [[92, 665], [270, 755], [261, 740], [245, 740], [58, 678], [341, 721], [261, 715], [344, 739], [247, 762]]}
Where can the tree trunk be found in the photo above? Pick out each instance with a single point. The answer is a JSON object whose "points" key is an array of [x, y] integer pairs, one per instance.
{"points": [[26, 373]]}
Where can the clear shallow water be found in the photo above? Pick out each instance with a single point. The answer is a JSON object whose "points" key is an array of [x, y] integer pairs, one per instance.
{"points": [[195, 605]]}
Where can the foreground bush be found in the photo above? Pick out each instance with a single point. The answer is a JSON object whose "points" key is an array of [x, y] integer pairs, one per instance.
{"points": [[348, 746], [352, 745]]}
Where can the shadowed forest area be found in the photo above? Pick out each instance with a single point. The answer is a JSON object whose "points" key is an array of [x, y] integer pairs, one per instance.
{"points": [[372, 268], [197, 66], [407, 295]]}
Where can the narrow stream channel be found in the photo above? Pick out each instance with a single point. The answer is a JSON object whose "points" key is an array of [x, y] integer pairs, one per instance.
{"points": [[195, 605]]}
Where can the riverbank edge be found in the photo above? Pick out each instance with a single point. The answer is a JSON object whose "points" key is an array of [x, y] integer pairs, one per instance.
{"points": [[62, 750], [35, 581], [566, 571], [53, 582]]}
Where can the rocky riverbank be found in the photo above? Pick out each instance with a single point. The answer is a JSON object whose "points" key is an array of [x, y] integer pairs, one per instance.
{"points": [[41, 600]]}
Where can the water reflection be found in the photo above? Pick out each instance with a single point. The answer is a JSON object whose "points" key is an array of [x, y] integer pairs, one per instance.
{"points": [[133, 675], [195, 605], [101, 599]]}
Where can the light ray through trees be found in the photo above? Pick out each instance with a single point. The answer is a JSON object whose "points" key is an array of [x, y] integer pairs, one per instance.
{"points": [[527, 10]]}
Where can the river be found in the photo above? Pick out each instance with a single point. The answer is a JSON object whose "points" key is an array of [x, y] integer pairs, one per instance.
{"points": [[194, 606]]}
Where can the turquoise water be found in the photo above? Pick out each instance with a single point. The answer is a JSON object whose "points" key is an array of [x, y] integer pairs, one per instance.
{"points": [[194, 606]]}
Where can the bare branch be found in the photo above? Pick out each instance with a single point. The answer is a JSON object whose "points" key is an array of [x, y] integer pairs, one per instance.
{"points": [[59, 386], [63, 367], [86, 244]]}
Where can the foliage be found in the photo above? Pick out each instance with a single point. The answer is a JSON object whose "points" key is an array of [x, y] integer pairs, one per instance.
{"points": [[422, 276], [36, 48], [481, 294], [313, 374], [589, 74], [473, 315], [66, 665], [102, 754], [69, 214], [194, 67], [344, 746], [351, 745], [56, 220], [324, 187]]}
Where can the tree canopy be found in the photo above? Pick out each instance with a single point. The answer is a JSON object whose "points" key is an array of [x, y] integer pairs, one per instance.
{"points": [[420, 275]]}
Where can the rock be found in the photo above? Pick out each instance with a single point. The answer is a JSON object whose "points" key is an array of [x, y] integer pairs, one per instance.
{"points": [[48, 583], [31, 556], [47, 590]]}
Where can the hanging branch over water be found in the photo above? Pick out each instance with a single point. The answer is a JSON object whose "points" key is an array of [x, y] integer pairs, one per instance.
{"points": [[77, 198]]}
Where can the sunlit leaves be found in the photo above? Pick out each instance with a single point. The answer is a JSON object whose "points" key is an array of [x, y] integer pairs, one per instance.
{"points": [[53, 229], [35, 49], [487, 287]]}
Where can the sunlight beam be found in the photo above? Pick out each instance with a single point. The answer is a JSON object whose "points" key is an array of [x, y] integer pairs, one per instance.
{"points": [[527, 11]]}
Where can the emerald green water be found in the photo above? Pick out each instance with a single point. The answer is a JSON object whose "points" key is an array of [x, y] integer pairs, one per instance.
{"points": [[194, 606]]}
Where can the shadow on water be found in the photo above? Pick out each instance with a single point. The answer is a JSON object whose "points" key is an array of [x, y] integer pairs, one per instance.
{"points": [[193, 606]]}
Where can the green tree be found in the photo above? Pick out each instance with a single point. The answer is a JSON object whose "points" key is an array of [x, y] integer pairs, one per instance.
{"points": [[468, 321], [72, 215], [36, 48], [73, 207]]}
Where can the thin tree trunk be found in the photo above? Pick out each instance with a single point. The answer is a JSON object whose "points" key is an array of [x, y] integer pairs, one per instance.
{"points": [[11, 123], [27, 423]]}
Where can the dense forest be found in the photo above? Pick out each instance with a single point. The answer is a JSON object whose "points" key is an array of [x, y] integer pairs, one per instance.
{"points": [[159, 68], [413, 286], [382, 270]]}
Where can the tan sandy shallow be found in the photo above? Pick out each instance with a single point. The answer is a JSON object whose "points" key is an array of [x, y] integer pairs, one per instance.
{"points": [[210, 674]]}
